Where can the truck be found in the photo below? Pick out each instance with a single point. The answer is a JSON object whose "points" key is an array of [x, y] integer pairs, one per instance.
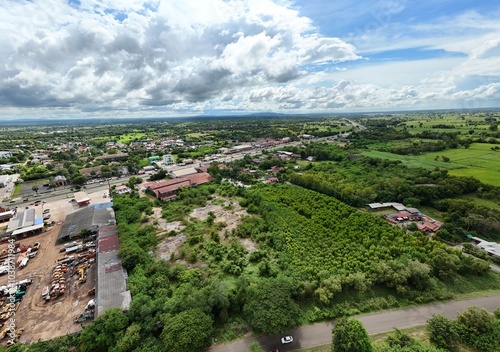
{"points": [[74, 249]]}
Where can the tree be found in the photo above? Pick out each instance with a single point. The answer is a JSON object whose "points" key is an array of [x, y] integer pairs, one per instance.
{"points": [[476, 319], [444, 264], [349, 335], [269, 307], [130, 339], [442, 332], [104, 332], [190, 330]]}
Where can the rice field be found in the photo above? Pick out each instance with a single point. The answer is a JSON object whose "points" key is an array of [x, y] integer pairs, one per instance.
{"points": [[478, 161]]}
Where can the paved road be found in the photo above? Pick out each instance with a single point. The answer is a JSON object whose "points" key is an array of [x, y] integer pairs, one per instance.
{"points": [[320, 334]]}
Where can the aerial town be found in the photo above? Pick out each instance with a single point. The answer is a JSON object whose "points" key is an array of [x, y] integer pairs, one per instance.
{"points": [[69, 262]]}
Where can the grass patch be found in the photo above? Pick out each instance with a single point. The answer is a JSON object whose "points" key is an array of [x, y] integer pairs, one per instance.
{"points": [[432, 212], [491, 177], [17, 191], [129, 137], [472, 286]]}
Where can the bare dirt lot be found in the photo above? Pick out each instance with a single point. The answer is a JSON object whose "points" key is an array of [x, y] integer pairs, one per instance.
{"points": [[229, 213], [48, 319]]}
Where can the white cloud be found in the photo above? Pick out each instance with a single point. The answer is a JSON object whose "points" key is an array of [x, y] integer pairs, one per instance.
{"points": [[174, 57]]}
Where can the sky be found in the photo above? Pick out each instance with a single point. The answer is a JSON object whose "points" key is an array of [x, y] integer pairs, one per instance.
{"points": [[129, 58]]}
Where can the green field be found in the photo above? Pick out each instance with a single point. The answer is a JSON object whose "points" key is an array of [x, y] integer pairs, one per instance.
{"points": [[478, 161], [413, 160], [127, 138], [462, 123]]}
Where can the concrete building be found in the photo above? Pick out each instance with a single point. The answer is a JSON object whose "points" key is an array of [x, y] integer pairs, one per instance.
{"points": [[168, 159]]}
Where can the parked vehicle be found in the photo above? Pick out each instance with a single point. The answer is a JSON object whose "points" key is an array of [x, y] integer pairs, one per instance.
{"points": [[24, 262], [286, 339], [70, 244]]}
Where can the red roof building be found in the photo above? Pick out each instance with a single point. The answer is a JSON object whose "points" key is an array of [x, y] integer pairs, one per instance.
{"points": [[168, 189]]}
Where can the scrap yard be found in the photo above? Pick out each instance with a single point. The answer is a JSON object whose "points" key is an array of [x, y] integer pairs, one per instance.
{"points": [[55, 273]]}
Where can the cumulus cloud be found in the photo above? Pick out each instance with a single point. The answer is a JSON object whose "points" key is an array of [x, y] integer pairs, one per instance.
{"points": [[171, 57], [158, 54]]}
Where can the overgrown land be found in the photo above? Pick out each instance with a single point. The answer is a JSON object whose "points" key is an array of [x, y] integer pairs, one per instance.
{"points": [[267, 257]]}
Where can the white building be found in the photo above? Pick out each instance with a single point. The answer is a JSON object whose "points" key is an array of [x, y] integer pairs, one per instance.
{"points": [[168, 159]]}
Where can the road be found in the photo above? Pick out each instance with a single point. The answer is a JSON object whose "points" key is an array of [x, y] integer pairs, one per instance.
{"points": [[321, 334]]}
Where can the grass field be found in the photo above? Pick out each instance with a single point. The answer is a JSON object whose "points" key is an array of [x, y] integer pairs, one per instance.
{"points": [[457, 123], [127, 138], [478, 161], [413, 160]]}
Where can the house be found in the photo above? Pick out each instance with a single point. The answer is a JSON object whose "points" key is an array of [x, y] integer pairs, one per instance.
{"points": [[113, 157], [429, 226], [60, 180], [5, 154], [89, 172], [272, 180], [122, 189], [492, 248]]}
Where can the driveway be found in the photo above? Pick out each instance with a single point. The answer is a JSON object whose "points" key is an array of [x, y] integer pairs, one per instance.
{"points": [[321, 333]]}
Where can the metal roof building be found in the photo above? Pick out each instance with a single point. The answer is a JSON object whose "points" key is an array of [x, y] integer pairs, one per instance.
{"points": [[25, 221], [111, 285], [111, 288]]}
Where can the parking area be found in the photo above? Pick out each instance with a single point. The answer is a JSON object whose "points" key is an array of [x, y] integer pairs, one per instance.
{"points": [[62, 280]]}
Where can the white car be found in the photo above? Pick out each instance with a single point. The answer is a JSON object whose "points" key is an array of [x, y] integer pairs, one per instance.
{"points": [[286, 339]]}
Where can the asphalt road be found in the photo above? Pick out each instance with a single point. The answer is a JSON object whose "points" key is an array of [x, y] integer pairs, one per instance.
{"points": [[321, 334]]}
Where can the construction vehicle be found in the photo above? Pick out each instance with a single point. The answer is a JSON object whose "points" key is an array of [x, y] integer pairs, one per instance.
{"points": [[86, 315], [3, 333], [83, 275], [15, 339]]}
